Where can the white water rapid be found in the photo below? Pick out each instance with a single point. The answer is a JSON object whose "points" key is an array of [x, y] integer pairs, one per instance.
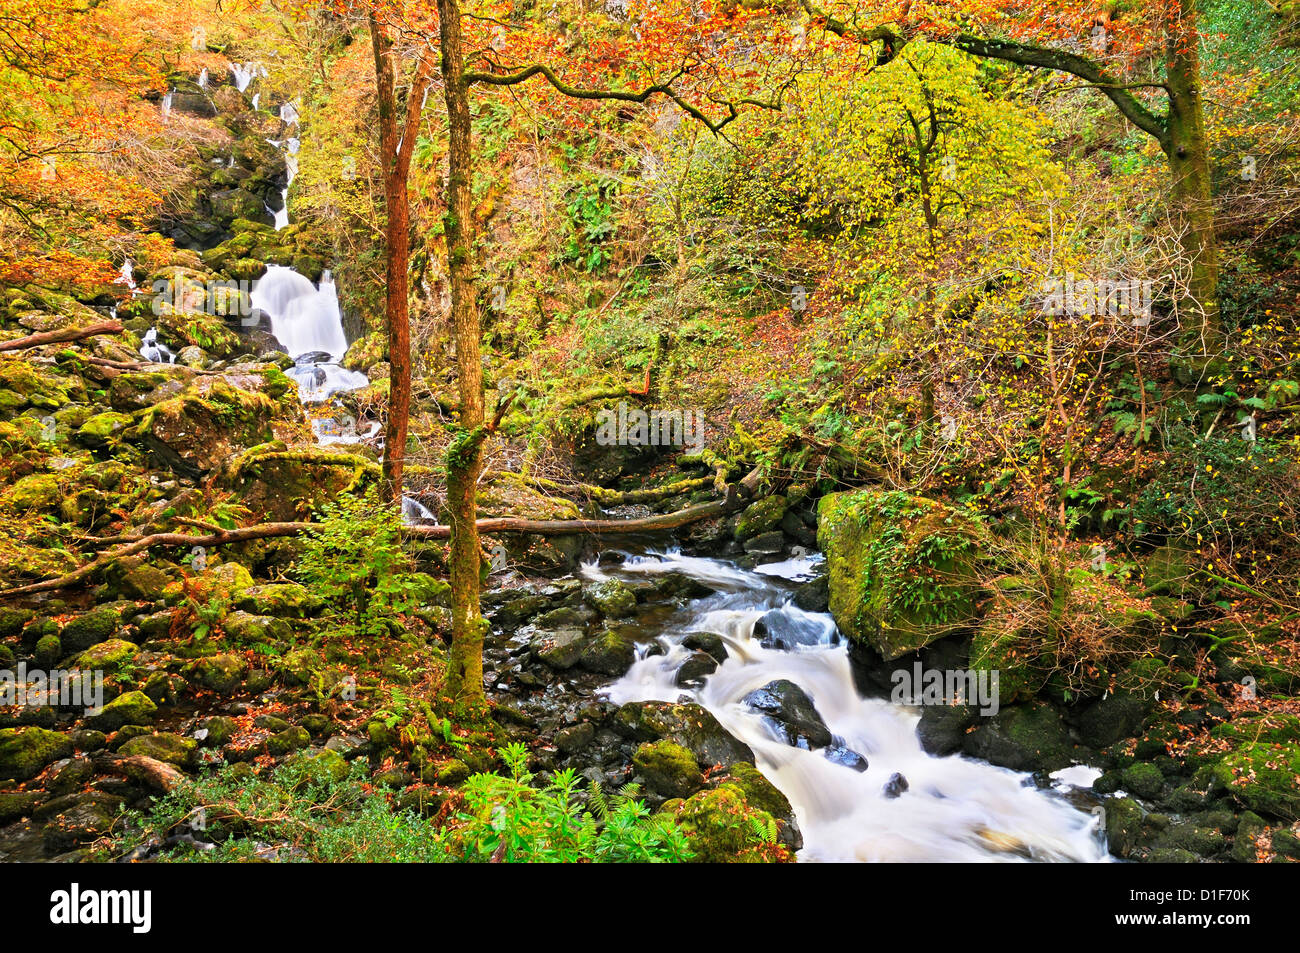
{"points": [[954, 808]]}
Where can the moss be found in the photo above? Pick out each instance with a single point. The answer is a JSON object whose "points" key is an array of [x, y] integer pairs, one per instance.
{"points": [[107, 656], [321, 765], [291, 739], [49, 649], [901, 568], [102, 429], [12, 620], [611, 598], [759, 517], [91, 628], [1264, 777], [24, 752], [720, 827], [1144, 780], [36, 493], [166, 747], [221, 673], [132, 708], [287, 600], [669, 769]]}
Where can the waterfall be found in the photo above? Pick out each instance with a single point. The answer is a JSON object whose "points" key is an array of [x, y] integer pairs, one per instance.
{"points": [[307, 321], [203, 78], [953, 809], [256, 99], [167, 104], [245, 73], [151, 350], [126, 276]]}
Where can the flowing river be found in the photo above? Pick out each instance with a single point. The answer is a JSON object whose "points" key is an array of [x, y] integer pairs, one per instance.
{"points": [[954, 808]]}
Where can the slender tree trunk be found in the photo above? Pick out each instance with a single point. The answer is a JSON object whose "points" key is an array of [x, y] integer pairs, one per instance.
{"points": [[395, 145], [465, 458], [1189, 165]]}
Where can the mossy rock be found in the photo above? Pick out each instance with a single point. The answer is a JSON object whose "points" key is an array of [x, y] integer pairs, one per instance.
{"points": [[760, 517], [12, 620], [167, 747], [131, 708], [222, 673], [285, 600], [18, 804], [103, 429], [39, 492], [719, 825], [611, 598], [24, 752], [1027, 737], [143, 581], [291, 739], [901, 568], [49, 649], [610, 652], [220, 730], [107, 656], [691, 726], [318, 765], [244, 628], [1274, 728], [1264, 777], [1144, 779], [669, 769], [98, 625], [298, 666], [766, 796]]}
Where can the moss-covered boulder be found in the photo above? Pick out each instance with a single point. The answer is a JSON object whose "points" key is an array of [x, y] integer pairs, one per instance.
{"points": [[321, 764], [167, 747], [36, 493], [760, 517], [245, 628], [24, 752], [12, 620], [131, 708], [107, 656], [286, 600], [222, 673], [610, 652], [669, 769], [689, 725], [611, 598], [1264, 777], [901, 568], [91, 628], [1027, 737], [103, 429], [720, 824]]}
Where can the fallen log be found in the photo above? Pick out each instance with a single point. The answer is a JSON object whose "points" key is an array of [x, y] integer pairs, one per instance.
{"points": [[154, 774], [61, 336], [487, 526]]}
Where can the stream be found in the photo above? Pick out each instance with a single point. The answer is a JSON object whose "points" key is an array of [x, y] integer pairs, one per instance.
{"points": [[953, 809]]}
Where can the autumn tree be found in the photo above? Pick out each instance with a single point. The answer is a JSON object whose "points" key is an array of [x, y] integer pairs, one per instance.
{"points": [[1135, 59]]}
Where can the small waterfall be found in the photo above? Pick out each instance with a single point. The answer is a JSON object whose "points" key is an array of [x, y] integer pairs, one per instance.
{"points": [[167, 105], [955, 808], [291, 147], [307, 321], [413, 512], [203, 78], [126, 276], [289, 114], [245, 73], [153, 351], [257, 98]]}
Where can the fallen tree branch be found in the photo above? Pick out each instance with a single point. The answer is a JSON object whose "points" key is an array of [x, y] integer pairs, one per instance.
{"points": [[606, 496], [487, 526], [61, 336]]}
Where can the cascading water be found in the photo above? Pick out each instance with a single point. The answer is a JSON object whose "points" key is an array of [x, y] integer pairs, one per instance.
{"points": [[954, 808], [167, 105], [203, 78], [307, 321], [151, 350], [245, 73]]}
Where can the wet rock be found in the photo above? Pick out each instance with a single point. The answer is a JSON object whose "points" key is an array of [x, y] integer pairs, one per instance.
{"points": [[846, 757], [896, 785], [1123, 825], [558, 648], [709, 642], [18, 804], [791, 712], [518, 609], [690, 725], [761, 516], [611, 598], [695, 669], [574, 738], [1023, 738], [765, 544], [1111, 719], [24, 752], [78, 819], [782, 629], [942, 727], [610, 652], [766, 796], [815, 595]]}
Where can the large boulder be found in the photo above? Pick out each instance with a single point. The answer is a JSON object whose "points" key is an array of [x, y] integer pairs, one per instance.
{"points": [[901, 568], [689, 725], [788, 710], [24, 752]]}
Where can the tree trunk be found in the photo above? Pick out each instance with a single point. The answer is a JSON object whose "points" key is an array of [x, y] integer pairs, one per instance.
{"points": [[1187, 150], [397, 249], [465, 456]]}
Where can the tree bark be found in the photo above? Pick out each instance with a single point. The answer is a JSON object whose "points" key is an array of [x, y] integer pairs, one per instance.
{"points": [[60, 336], [396, 146], [465, 456]]}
